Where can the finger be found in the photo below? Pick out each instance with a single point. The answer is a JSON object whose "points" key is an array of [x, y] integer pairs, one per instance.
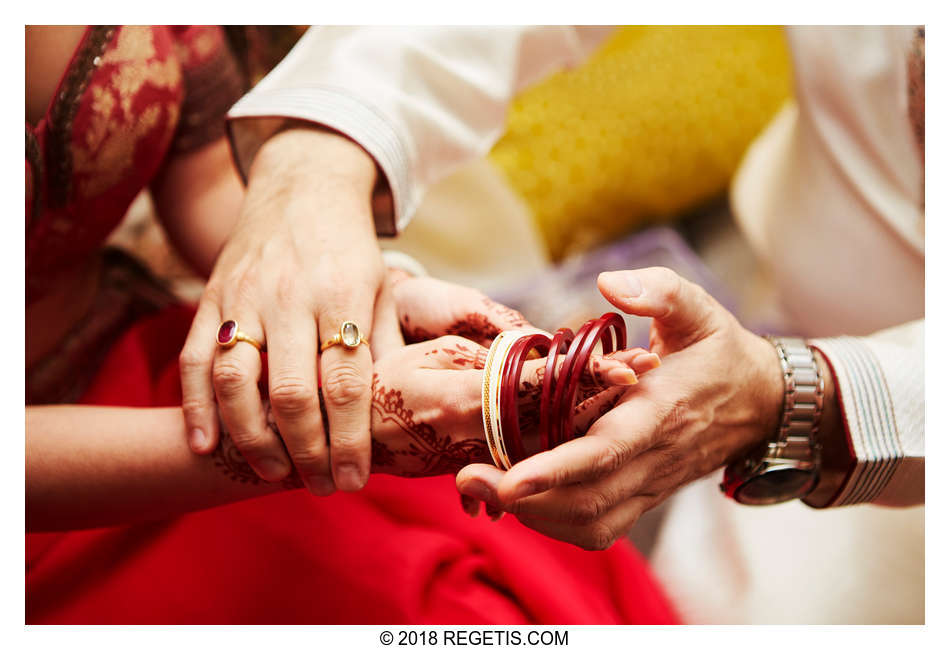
{"points": [[657, 292], [292, 388], [387, 335], [197, 391], [469, 505], [452, 353], [614, 439], [346, 380], [592, 408], [591, 529], [504, 317], [653, 472], [485, 319], [598, 535], [639, 359], [644, 363], [479, 481], [494, 513], [601, 372], [235, 374]]}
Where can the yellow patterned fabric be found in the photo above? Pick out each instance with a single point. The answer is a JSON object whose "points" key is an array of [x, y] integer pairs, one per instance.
{"points": [[653, 124]]}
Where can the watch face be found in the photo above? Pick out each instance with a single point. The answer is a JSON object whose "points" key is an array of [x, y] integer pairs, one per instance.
{"points": [[775, 486]]}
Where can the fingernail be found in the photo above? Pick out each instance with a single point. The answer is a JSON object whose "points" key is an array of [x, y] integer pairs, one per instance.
{"points": [[320, 485], [272, 469], [197, 438], [477, 490], [494, 513], [632, 282], [348, 477], [621, 376], [470, 505], [647, 361], [626, 283]]}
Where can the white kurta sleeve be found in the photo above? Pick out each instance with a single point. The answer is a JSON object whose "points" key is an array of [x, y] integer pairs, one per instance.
{"points": [[420, 100], [880, 381]]}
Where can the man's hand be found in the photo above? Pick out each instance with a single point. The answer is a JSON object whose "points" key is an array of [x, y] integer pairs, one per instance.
{"points": [[301, 260], [717, 394]]}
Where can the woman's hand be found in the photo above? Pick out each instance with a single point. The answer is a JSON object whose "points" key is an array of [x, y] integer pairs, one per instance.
{"points": [[302, 259], [718, 394], [427, 401], [428, 308]]}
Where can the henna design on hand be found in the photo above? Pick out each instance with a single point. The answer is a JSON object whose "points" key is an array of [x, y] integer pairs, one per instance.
{"points": [[229, 460], [465, 356], [474, 326], [432, 454], [514, 318]]}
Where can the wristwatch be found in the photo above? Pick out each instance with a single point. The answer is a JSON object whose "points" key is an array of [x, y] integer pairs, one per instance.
{"points": [[788, 466]]}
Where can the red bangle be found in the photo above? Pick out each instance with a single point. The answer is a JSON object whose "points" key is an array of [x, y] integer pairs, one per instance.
{"points": [[599, 330], [563, 378], [559, 344], [511, 379]]}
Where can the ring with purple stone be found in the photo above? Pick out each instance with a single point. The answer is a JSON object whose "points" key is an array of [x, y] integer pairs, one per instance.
{"points": [[349, 337], [229, 334]]}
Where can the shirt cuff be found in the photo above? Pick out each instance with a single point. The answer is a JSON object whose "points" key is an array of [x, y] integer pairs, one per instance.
{"points": [[870, 421], [260, 113]]}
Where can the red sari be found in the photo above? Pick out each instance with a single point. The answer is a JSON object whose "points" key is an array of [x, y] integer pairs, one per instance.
{"points": [[399, 551]]}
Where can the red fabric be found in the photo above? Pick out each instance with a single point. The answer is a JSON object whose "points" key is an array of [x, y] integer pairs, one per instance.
{"points": [[400, 551]]}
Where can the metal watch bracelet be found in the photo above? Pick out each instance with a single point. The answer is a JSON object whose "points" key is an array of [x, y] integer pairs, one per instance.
{"points": [[788, 468], [804, 399]]}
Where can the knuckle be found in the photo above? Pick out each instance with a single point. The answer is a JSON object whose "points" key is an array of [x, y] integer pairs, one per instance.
{"points": [[246, 286], [211, 292], [669, 463], [250, 443], [599, 537], [589, 508], [193, 408], [672, 288], [292, 397], [612, 457], [229, 378], [191, 358], [286, 290], [311, 460], [348, 447], [343, 385]]}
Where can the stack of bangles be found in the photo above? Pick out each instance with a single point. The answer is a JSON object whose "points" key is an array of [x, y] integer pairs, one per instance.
{"points": [[506, 358]]}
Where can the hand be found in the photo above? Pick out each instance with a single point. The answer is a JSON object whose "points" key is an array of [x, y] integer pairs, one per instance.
{"points": [[428, 308], [426, 405], [302, 259], [718, 394]]}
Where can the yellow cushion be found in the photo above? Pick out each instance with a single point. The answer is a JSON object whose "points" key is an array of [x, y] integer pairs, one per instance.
{"points": [[653, 124]]}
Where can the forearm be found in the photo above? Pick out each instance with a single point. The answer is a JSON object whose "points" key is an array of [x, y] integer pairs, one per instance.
{"points": [[97, 466], [198, 198]]}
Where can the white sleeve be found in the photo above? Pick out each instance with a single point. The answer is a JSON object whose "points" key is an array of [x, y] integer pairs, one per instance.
{"points": [[880, 380], [420, 100]]}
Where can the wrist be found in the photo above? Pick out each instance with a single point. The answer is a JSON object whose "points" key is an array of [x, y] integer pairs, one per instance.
{"points": [[767, 389], [308, 155]]}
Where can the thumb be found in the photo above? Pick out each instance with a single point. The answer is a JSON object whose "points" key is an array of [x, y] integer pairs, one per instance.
{"points": [[657, 292]]}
